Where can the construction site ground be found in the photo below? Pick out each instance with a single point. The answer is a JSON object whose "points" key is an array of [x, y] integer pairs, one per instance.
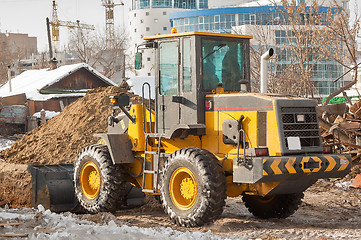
{"points": [[330, 208]]}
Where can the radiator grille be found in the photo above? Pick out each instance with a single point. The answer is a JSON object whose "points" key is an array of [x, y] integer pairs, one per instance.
{"points": [[306, 127]]}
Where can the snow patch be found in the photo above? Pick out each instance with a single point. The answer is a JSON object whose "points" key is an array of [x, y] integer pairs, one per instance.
{"points": [[50, 225], [5, 215], [5, 143], [48, 114], [343, 185]]}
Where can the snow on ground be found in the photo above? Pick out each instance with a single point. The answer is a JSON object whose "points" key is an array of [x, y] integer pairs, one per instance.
{"points": [[5, 143], [44, 224], [48, 114]]}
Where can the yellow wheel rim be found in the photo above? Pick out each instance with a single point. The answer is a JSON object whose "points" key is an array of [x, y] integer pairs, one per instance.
{"points": [[183, 188], [90, 180]]}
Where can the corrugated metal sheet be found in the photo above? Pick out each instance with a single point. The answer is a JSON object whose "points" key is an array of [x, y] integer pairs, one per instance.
{"points": [[15, 114]]}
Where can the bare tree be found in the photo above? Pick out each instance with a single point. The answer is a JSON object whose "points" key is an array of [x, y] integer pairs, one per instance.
{"points": [[343, 35], [303, 42], [82, 42], [307, 38], [92, 48]]}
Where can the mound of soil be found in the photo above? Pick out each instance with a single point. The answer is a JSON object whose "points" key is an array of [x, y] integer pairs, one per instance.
{"points": [[57, 141], [61, 138], [15, 185]]}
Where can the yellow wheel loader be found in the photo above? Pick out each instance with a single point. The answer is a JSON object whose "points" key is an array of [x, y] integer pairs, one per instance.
{"points": [[207, 138]]}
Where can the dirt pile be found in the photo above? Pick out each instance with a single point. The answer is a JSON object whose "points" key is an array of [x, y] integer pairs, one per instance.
{"points": [[15, 185], [61, 138], [57, 141]]}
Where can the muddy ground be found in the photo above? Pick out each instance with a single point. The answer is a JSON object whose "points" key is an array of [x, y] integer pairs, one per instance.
{"points": [[327, 212], [330, 210]]}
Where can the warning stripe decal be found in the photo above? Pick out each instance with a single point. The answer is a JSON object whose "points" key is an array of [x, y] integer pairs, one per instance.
{"points": [[309, 164]]}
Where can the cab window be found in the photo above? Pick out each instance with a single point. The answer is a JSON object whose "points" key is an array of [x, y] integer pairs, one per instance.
{"points": [[168, 68], [187, 73], [222, 63]]}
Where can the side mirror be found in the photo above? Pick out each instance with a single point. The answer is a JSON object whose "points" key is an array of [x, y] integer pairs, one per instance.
{"points": [[138, 60]]}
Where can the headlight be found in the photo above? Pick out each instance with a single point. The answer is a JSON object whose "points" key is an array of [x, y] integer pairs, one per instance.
{"points": [[300, 118]]}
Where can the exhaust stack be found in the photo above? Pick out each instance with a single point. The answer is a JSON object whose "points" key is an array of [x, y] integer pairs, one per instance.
{"points": [[264, 59]]}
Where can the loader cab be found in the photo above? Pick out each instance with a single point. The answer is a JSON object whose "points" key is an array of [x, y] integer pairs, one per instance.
{"points": [[190, 65]]}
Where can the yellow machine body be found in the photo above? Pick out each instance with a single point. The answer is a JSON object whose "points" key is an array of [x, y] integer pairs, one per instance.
{"points": [[266, 144]]}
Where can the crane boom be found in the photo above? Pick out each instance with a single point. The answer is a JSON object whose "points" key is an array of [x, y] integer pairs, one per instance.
{"points": [[56, 23]]}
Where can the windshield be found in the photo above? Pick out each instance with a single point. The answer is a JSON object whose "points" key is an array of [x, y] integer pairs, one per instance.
{"points": [[222, 63]]}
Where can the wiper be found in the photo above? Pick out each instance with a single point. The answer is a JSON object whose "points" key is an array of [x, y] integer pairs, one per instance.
{"points": [[215, 50]]}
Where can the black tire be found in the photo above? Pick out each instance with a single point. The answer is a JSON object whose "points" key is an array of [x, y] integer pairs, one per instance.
{"points": [[111, 185], [276, 206], [207, 204]]}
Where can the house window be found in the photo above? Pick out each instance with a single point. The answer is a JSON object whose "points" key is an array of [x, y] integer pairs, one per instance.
{"points": [[146, 13], [135, 30], [141, 20], [164, 13], [149, 74], [164, 28], [135, 15], [148, 59], [147, 28]]}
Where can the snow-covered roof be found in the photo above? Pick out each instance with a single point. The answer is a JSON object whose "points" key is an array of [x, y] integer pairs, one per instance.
{"points": [[32, 81]]}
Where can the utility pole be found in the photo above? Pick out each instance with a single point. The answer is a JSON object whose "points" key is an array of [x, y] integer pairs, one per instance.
{"points": [[49, 38]]}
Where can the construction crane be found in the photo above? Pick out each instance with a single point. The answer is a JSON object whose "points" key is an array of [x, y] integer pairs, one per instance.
{"points": [[109, 20], [56, 23]]}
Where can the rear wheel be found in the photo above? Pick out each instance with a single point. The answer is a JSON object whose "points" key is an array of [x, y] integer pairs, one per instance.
{"points": [[275, 206], [99, 184], [193, 187]]}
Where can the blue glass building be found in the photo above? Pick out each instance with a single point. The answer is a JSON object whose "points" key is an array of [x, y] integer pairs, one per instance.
{"points": [[225, 20]]}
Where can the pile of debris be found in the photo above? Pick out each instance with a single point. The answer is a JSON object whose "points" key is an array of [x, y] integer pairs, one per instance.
{"points": [[340, 123], [57, 141]]}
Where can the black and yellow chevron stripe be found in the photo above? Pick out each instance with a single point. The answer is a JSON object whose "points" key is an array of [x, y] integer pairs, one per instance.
{"points": [[309, 164]]}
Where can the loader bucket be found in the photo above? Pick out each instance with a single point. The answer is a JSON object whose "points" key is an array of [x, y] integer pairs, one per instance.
{"points": [[52, 187]]}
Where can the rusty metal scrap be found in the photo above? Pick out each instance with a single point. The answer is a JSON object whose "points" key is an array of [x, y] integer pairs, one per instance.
{"points": [[15, 114]]}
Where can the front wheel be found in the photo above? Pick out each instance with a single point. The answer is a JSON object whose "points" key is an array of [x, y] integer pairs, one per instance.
{"points": [[99, 184], [193, 187], [275, 206]]}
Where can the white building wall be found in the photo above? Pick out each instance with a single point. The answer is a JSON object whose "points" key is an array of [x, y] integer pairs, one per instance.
{"points": [[147, 22], [225, 3]]}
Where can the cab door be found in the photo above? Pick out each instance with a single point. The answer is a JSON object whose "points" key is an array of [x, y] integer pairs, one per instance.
{"points": [[168, 85], [188, 112]]}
